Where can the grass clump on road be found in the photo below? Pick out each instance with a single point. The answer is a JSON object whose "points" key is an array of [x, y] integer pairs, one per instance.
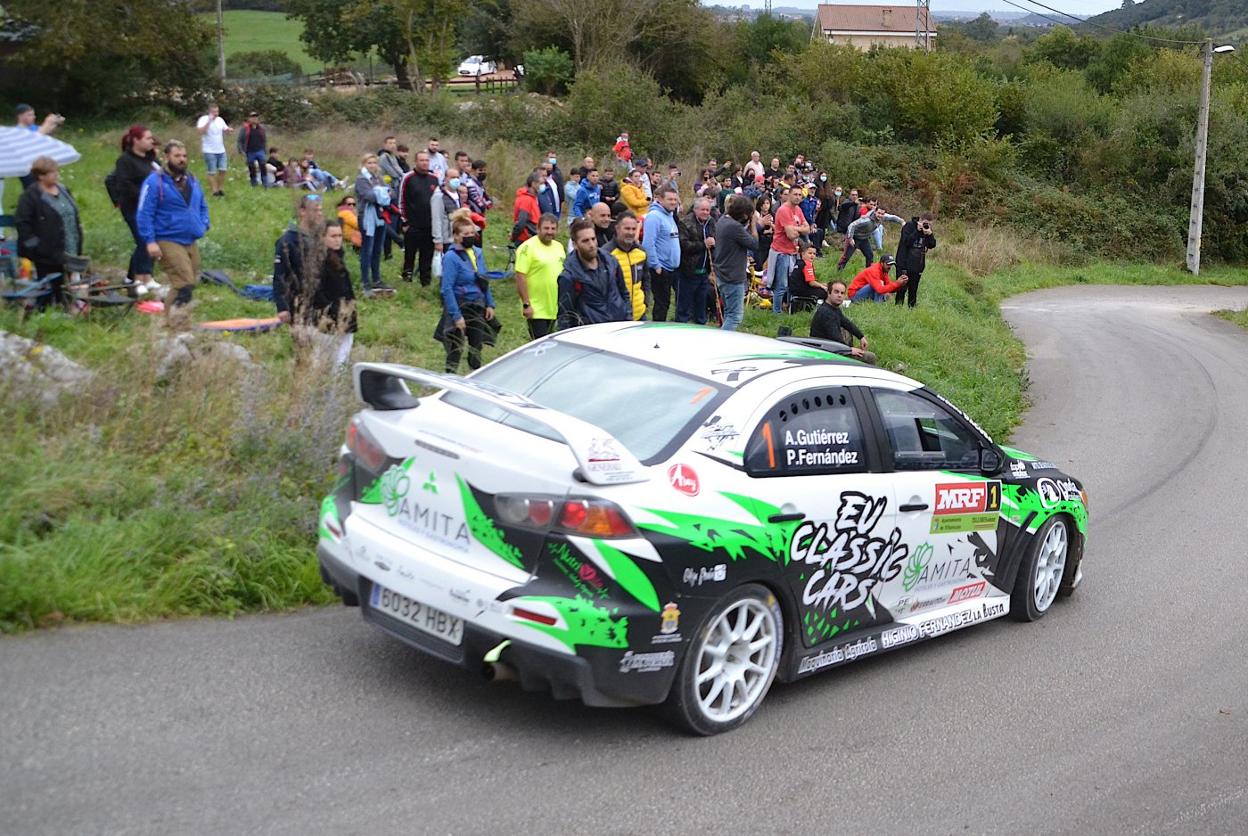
{"points": [[149, 495]]}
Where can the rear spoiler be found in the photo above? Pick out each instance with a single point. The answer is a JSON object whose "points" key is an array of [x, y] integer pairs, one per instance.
{"points": [[603, 460]]}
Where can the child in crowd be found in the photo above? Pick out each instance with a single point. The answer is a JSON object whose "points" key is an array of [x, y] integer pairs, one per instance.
{"points": [[804, 290]]}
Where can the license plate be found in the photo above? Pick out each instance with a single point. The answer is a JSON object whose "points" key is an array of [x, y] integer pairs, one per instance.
{"points": [[421, 616]]}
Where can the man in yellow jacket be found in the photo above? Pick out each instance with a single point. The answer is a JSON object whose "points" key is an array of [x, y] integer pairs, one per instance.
{"points": [[632, 259]]}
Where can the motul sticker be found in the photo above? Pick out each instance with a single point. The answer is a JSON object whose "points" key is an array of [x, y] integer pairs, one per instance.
{"points": [[968, 592], [684, 479]]}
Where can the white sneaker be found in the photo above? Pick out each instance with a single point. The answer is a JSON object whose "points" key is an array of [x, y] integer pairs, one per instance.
{"points": [[140, 289]]}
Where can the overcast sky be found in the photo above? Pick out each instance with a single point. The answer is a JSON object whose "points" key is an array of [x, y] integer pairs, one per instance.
{"points": [[1074, 7]]}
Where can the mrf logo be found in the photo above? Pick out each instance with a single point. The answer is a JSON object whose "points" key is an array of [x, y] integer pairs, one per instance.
{"points": [[967, 497], [684, 478]]}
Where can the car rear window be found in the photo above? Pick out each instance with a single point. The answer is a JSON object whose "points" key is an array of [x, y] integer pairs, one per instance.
{"points": [[649, 409]]}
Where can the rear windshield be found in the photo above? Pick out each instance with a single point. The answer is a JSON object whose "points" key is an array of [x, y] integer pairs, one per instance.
{"points": [[649, 409]]}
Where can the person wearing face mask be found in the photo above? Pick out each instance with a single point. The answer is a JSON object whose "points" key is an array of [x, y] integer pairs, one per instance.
{"points": [[478, 198], [468, 304], [441, 204], [549, 195], [554, 171]]}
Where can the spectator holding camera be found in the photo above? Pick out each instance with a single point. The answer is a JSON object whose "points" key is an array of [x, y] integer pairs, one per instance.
{"points": [[916, 239]]}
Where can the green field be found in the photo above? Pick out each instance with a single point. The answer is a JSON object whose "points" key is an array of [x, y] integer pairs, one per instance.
{"points": [[251, 31], [144, 497]]}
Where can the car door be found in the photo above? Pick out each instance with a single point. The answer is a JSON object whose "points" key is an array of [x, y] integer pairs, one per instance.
{"points": [[812, 455], [947, 510]]}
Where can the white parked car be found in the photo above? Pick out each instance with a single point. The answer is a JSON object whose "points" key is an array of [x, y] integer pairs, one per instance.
{"points": [[476, 65]]}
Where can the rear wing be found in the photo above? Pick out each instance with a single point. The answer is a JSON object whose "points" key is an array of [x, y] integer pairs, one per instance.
{"points": [[603, 460]]}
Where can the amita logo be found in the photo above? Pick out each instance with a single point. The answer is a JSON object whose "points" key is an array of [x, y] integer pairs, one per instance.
{"points": [[684, 478]]}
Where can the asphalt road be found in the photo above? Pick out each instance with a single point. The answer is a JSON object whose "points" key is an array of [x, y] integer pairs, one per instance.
{"points": [[1124, 710]]}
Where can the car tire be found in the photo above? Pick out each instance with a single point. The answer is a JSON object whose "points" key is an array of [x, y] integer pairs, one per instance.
{"points": [[1042, 572], [730, 663]]}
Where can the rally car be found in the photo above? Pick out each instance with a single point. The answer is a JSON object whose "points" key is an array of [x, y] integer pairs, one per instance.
{"points": [[649, 513]]}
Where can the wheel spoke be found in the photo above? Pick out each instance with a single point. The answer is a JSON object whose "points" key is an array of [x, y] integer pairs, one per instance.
{"points": [[710, 673], [742, 614], [759, 644], [755, 625], [714, 693]]}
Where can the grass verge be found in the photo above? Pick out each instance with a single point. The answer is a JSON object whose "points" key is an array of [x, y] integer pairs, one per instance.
{"points": [[140, 498]]}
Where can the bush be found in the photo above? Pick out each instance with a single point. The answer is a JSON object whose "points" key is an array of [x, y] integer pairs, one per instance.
{"points": [[548, 70], [611, 98], [935, 97], [262, 63]]}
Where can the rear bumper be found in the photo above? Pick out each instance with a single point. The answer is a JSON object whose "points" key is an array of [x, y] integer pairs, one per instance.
{"points": [[564, 675]]}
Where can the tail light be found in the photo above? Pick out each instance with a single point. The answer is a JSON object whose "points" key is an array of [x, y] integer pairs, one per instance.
{"points": [[364, 447], [589, 517]]}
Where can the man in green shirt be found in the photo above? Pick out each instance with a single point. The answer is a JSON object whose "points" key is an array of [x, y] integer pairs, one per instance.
{"points": [[539, 261]]}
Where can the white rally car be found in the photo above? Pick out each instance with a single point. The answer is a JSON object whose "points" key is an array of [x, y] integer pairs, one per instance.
{"points": [[645, 513]]}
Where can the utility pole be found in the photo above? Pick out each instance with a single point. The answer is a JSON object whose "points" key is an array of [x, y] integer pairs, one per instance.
{"points": [[220, 42], [923, 25], [1196, 220]]}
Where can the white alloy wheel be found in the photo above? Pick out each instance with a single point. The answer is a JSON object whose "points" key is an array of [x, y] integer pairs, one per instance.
{"points": [[730, 663], [736, 660], [1050, 566]]}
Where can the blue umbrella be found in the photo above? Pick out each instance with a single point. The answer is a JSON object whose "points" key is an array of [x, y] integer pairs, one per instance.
{"points": [[20, 147]]}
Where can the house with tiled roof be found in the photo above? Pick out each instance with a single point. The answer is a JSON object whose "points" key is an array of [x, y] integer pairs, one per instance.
{"points": [[867, 26]]}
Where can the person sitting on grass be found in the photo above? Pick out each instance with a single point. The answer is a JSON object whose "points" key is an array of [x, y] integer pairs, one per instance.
{"points": [[468, 305], [830, 323], [804, 289], [872, 284]]}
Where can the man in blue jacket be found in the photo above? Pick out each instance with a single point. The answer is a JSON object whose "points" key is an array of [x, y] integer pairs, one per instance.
{"points": [[587, 195], [171, 217], [591, 286], [662, 242]]}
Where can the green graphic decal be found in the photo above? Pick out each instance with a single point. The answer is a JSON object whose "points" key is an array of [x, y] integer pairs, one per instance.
{"points": [[915, 566], [483, 528], [820, 627], [627, 575], [729, 536], [785, 354], [1014, 452], [329, 510], [431, 483], [587, 624], [960, 523], [389, 488], [1019, 502]]}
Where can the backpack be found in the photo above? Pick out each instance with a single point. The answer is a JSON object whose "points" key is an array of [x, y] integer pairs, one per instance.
{"points": [[112, 185]]}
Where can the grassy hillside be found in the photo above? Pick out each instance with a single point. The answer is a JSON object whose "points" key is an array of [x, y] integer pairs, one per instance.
{"points": [[251, 31], [1220, 18]]}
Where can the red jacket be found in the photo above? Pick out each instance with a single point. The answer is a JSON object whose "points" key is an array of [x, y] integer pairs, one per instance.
{"points": [[524, 215], [876, 276]]}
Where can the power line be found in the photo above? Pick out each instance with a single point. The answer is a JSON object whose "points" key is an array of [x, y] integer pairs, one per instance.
{"points": [[1101, 25]]}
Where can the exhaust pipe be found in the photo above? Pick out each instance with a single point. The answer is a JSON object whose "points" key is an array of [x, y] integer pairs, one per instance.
{"points": [[495, 669], [499, 672]]}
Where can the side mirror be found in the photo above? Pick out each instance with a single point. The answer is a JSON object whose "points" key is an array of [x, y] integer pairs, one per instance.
{"points": [[990, 461]]}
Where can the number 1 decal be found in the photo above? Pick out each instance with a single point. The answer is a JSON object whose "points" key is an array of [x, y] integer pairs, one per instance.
{"points": [[771, 445]]}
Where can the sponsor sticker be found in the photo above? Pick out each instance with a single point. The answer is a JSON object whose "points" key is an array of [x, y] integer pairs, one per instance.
{"points": [[966, 506], [684, 478], [967, 592], [847, 652], [705, 574], [633, 662], [1018, 470], [669, 623], [1056, 491]]}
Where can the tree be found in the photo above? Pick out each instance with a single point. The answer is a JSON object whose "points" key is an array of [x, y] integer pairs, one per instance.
{"points": [[334, 32], [547, 70], [983, 29], [91, 55], [598, 32], [488, 29], [427, 28], [680, 45], [1065, 50]]}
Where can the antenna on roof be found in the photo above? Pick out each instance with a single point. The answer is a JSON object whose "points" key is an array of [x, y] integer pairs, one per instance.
{"points": [[922, 25]]}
